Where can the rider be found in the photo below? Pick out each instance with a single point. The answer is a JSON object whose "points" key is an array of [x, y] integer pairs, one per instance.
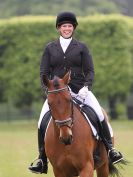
{"points": [[58, 57]]}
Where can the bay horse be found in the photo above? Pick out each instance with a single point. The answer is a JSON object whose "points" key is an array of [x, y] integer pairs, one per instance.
{"points": [[69, 142]]}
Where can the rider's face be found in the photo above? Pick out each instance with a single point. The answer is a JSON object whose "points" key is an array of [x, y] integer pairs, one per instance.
{"points": [[66, 30]]}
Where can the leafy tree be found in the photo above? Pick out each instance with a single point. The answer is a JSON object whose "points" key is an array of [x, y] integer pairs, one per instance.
{"points": [[9, 8], [125, 7]]}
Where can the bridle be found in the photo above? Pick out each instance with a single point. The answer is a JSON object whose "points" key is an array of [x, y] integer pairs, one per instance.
{"points": [[69, 121], [57, 90]]}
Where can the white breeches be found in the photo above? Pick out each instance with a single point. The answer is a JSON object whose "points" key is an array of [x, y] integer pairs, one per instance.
{"points": [[89, 100], [92, 102], [45, 108]]}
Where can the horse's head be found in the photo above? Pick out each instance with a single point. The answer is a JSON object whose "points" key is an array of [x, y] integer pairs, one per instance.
{"points": [[61, 106]]}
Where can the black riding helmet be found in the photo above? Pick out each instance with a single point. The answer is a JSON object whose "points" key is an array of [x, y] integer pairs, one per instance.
{"points": [[66, 17]]}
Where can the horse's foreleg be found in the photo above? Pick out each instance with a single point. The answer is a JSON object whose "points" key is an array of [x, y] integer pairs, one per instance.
{"points": [[103, 171], [87, 171], [59, 173]]}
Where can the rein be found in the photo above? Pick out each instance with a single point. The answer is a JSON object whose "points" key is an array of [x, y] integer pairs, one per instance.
{"points": [[69, 121]]}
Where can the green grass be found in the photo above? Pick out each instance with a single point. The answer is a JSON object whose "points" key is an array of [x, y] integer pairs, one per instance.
{"points": [[18, 147]]}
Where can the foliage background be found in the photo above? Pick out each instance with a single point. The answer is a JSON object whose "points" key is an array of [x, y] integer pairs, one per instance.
{"points": [[22, 42], [10, 8]]}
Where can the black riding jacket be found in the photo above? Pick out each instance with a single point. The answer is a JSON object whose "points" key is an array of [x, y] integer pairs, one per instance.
{"points": [[77, 58]]}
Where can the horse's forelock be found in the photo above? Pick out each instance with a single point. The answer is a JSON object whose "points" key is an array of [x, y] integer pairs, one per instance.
{"points": [[56, 82]]}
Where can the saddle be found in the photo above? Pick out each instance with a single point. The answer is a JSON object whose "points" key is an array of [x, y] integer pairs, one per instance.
{"points": [[90, 115]]}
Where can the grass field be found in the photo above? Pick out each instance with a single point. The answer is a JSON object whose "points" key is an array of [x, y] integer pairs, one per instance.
{"points": [[18, 147]]}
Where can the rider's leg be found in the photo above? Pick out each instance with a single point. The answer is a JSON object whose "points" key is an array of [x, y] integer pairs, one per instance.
{"points": [[113, 154], [45, 109], [41, 163]]}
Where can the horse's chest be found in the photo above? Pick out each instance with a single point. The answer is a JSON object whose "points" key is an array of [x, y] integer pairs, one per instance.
{"points": [[67, 163]]}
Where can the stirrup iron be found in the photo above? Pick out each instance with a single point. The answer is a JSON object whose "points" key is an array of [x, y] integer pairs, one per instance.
{"points": [[37, 160]]}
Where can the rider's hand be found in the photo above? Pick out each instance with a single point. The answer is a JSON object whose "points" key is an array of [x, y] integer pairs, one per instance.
{"points": [[83, 92]]}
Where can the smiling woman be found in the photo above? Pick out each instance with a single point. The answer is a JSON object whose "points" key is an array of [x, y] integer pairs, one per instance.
{"points": [[66, 30]]}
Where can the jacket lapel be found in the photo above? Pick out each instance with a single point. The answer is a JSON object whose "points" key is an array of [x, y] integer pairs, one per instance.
{"points": [[58, 46], [71, 46]]}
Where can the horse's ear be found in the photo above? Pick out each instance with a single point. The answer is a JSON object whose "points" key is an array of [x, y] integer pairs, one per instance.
{"points": [[67, 77], [45, 80]]}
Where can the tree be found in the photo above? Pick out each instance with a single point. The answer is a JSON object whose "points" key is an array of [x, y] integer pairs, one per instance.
{"points": [[11, 8]]}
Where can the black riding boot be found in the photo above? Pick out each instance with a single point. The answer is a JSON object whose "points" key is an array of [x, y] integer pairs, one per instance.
{"points": [[41, 165], [113, 154]]}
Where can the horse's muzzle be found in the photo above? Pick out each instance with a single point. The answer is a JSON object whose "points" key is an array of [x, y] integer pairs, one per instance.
{"points": [[66, 136], [67, 141]]}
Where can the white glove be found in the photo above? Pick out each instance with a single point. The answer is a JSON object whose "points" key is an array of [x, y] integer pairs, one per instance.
{"points": [[83, 92]]}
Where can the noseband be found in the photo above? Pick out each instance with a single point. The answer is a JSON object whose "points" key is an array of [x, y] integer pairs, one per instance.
{"points": [[69, 121]]}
